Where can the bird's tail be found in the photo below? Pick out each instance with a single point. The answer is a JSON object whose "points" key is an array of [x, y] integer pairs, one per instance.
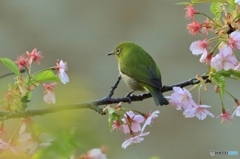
{"points": [[158, 97]]}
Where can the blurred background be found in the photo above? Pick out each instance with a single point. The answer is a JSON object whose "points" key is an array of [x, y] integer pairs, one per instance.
{"points": [[82, 32]]}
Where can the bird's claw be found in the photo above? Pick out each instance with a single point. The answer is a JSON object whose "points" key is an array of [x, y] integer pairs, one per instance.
{"points": [[128, 96]]}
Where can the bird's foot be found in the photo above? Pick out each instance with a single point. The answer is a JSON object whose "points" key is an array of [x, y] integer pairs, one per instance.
{"points": [[128, 96]]}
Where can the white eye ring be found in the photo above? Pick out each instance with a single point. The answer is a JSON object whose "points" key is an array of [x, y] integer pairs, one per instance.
{"points": [[118, 51]]}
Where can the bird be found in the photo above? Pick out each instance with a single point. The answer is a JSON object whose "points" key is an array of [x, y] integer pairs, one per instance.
{"points": [[139, 71]]}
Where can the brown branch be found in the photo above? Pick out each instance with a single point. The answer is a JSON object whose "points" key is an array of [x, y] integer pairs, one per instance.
{"points": [[95, 104]]}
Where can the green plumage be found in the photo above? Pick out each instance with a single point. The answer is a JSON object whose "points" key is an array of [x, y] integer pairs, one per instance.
{"points": [[139, 71]]}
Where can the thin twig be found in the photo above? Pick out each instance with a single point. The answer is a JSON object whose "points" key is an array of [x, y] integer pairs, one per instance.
{"points": [[9, 74], [114, 86]]}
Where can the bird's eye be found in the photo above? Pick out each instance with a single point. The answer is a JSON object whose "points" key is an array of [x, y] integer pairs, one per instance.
{"points": [[118, 51]]}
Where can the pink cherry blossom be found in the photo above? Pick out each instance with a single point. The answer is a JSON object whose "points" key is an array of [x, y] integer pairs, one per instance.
{"points": [[31, 144], [200, 47], [94, 154], [134, 139], [190, 11], [49, 96], [194, 27], [132, 121], [21, 61], [25, 123], [234, 40], [117, 125], [224, 59], [125, 127], [199, 111], [181, 98], [62, 67], [10, 147], [226, 116], [150, 118], [34, 56], [206, 58]]}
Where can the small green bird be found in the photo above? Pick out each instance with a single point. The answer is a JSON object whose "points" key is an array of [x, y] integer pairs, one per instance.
{"points": [[139, 71]]}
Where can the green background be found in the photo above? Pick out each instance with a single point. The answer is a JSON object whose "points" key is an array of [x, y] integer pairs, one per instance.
{"points": [[82, 32]]}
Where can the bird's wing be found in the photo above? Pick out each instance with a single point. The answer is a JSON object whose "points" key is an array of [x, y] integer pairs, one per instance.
{"points": [[148, 74]]}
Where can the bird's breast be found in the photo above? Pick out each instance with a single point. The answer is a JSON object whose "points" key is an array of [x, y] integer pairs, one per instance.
{"points": [[132, 83]]}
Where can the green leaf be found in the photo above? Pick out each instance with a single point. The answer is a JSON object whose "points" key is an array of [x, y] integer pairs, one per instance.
{"points": [[224, 73], [220, 81], [11, 65], [45, 76], [235, 73], [216, 9], [111, 110], [229, 73]]}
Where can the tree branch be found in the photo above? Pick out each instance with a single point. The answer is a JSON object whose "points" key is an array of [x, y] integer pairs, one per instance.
{"points": [[94, 105], [11, 73]]}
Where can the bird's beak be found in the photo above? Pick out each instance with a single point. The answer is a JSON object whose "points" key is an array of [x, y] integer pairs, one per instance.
{"points": [[110, 53]]}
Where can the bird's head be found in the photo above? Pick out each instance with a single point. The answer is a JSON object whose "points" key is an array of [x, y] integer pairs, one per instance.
{"points": [[123, 50]]}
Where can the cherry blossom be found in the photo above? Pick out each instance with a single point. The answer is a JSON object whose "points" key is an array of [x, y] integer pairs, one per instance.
{"points": [[206, 58], [94, 154], [21, 61], [31, 144], [10, 147], [121, 126], [224, 59], [49, 96], [134, 139], [132, 121], [234, 40], [225, 115], [200, 47], [194, 27], [34, 56], [199, 111], [62, 67], [150, 118], [25, 123], [181, 98], [236, 111], [190, 11], [117, 125]]}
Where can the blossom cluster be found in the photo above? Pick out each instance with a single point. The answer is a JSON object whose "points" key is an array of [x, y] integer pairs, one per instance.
{"points": [[130, 123], [182, 99], [27, 141], [216, 52], [13, 99]]}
